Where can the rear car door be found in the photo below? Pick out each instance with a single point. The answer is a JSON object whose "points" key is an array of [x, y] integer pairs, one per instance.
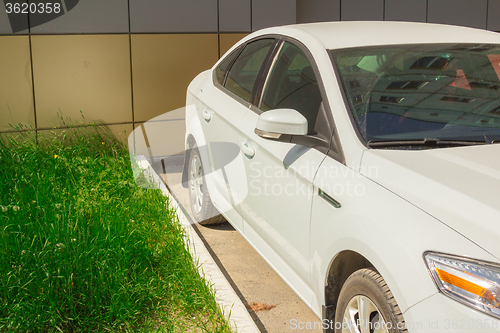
{"points": [[225, 103], [277, 186]]}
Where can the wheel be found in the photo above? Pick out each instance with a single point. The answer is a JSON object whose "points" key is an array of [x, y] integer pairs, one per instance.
{"points": [[366, 305], [202, 208]]}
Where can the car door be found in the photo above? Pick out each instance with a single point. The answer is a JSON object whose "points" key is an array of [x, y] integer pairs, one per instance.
{"points": [[225, 102], [277, 187]]}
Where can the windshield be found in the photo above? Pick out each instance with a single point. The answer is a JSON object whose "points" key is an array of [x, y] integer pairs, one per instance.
{"points": [[416, 92]]}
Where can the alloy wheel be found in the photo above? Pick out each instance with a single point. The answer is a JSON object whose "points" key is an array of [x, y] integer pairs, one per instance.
{"points": [[363, 316]]}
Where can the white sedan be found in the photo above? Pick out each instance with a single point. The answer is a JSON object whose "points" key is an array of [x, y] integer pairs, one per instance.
{"points": [[360, 160]]}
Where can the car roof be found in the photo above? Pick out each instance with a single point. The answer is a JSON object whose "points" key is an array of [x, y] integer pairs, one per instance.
{"points": [[346, 34]]}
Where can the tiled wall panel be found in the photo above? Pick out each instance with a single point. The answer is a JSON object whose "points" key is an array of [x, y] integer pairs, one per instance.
{"points": [[16, 92], [78, 72], [167, 128], [404, 10], [92, 72], [18, 136], [267, 13], [318, 10], [121, 131], [173, 16], [84, 16], [470, 13], [5, 26], [362, 10], [163, 65], [228, 40], [235, 15], [493, 15], [12, 22]]}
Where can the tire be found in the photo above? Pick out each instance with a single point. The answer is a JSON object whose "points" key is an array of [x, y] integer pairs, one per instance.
{"points": [[202, 208], [366, 289]]}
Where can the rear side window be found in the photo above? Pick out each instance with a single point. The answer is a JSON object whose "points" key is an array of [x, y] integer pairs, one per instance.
{"points": [[243, 74], [221, 70]]}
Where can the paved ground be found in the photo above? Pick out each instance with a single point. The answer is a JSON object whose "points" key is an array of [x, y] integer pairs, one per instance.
{"points": [[252, 278]]}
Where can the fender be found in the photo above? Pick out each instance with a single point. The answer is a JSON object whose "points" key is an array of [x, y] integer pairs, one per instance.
{"points": [[378, 225]]}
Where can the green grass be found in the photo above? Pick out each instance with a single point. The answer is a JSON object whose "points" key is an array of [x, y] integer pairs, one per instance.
{"points": [[83, 249]]}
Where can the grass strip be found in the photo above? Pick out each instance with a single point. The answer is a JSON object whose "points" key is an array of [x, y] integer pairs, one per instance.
{"points": [[83, 249]]}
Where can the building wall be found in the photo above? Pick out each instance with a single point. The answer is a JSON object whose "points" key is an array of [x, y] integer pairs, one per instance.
{"points": [[125, 62]]}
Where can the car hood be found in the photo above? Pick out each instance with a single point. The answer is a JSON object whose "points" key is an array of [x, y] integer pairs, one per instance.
{"points": [[458, 186]]}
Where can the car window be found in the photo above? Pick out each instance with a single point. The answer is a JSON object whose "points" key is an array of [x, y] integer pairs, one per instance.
{"points": [[243, 74], [221, 70], [414, 92], [292, 84]]}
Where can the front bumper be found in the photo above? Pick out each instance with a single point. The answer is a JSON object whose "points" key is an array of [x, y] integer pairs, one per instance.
{"points": [[440, 314]]}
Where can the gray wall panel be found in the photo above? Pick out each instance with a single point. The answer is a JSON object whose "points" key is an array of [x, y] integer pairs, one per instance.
{"points": [[13, 23], [469, 13], [86, 16], [173, 16], [268, 13], [5, 27], [234, 15], [362, 10], [318, 10], [493, 15], [406, 10]]}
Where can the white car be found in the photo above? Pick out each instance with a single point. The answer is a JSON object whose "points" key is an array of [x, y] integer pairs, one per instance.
{"points": [[360, 160]]}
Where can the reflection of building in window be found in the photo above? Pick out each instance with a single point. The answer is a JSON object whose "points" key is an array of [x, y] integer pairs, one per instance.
{"points": [[461, 81]]}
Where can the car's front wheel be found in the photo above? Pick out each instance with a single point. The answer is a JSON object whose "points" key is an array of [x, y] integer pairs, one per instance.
{"points": [[366, 305], [202, 208]]}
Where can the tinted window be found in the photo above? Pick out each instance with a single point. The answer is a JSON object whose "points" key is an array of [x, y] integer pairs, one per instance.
{"points": [[413, 92], [243, 74], [292, 84], [221, 70]]}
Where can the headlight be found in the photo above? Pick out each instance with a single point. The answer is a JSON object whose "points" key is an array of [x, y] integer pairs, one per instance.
{"points": [[472, 282]]}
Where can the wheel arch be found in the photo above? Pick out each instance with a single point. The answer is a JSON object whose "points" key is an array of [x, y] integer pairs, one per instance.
{"points": [[341, 267]]}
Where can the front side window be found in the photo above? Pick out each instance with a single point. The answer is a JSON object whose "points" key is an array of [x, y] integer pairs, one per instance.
{"points": [[292, 84], [436, 92], [243, 73]]}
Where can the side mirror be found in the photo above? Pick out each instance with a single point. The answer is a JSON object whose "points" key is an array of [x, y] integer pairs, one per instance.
{"points": [[275, 124]]}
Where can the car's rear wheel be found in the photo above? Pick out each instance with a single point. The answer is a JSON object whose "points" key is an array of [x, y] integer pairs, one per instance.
{"points": [[366, 305], [202, 208]]}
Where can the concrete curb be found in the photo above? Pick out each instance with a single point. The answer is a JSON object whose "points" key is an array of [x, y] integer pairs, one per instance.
{"points": [[229, 302]]}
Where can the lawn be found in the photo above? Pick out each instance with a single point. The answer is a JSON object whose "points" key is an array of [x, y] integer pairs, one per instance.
{"points": [[83, 249]]}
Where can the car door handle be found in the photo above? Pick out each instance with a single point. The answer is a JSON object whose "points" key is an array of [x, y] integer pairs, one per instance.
{"points": [[206, 115], [248, 151]]}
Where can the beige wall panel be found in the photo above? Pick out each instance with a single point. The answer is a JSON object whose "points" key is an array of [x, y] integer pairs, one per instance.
{"points": [[120, 131], [18, 137], [228, 40], [163, 66], [166, 133], [90, 73], [16, 92]]}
